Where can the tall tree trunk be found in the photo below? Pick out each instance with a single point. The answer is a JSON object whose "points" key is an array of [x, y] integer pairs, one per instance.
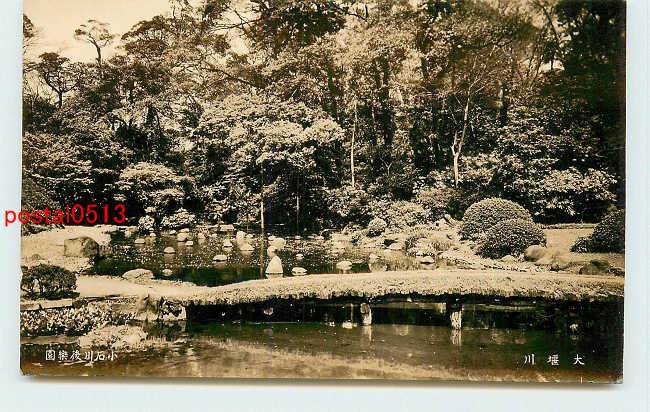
{"points": [[354, 131], [457, 145], [262, 198], [297, 213]]}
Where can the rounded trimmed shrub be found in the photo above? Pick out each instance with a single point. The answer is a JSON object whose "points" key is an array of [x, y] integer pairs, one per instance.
{"points": [[582, 245], [510, 237], [609, 234], [377, 226], [481, 216], [48, 281]]}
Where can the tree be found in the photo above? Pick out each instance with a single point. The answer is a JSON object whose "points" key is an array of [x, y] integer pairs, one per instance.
{"points": [[54, 70], [97, 34]]}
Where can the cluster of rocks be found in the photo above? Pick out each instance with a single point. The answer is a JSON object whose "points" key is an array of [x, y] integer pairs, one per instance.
{"points": [[542, 256]]}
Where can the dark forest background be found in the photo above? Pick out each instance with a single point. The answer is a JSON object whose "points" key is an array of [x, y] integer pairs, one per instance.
{"points": [[324, 113]]}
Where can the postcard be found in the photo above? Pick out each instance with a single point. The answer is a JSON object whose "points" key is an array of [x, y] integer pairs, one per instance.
{"points": [[323, 189]]}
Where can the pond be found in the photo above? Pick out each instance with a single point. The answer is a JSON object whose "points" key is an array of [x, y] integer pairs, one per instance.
{"points": [[195, 263], [406, 342]]}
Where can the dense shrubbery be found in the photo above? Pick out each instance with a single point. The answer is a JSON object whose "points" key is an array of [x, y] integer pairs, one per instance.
{"points": [[310, 121], [582, 245], [400, 214], [48, 281], [146, 224], [609, 234], [180, 219], [376, 227], [482, 215], [68, 321], [346, 204], [35, 197], [152, 187], [510, 237]]}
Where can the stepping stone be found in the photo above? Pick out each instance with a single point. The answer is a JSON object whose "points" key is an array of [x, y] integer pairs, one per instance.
{"points": [[139, 241], [299, 256], [227, 243], [344, 265], [299, 271], [185, 230], [172, 232], [169, 250], [181, 237], [167, 272], [427, 260], [220, 258], [189, 243]]}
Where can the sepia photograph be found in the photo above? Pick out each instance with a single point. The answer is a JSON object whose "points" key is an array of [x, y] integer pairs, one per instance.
{"points": [[395, 190]]}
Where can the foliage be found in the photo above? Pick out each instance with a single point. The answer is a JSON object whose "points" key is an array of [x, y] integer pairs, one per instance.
{"points": [[300, 112], [346, 204], [482, 215], [148, 185], [376, 227], [510, 237], [180, 219], [582, 245], [69, 321], [146, 224], [48, 282], [400, 214], [609, 234], [35, 197]]}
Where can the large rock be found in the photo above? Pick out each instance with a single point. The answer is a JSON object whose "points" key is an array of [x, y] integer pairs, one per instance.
{"points": [[554, 259], [82, 246], [138, 274], [560, 261], [275, 266], [396, 246], [240, 237], [139, 241], [220, 258], [169, 250], [535, 252], [509, 259], [595, 267], [246, 248], [427, 260], [279, 243]]}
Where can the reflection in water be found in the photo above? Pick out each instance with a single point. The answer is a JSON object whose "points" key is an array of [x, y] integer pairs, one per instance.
{"points": [[195, 264], [320, 350], [456, 337]]}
